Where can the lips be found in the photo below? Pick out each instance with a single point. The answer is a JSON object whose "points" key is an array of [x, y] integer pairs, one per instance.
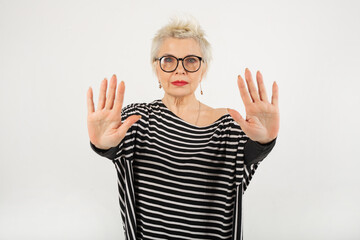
{"points": [[179, 83]]}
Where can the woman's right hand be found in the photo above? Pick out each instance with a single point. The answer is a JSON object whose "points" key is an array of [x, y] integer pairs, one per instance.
{"points": [[104, 125]]}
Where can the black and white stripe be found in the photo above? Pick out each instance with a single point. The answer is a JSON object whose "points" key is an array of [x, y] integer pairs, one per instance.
{"points": [[180, 181]]}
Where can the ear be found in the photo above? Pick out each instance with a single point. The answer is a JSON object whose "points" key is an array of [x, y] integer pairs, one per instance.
{"points": [[155, 70]]}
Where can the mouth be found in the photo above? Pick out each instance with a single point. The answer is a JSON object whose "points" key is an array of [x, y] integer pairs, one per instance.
{"points": [[179, 83]]}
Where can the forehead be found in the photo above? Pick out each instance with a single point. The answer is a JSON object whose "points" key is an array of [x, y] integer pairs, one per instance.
{"points": [[180, 47]]}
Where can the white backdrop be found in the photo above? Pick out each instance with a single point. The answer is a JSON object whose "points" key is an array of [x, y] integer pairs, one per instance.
{"points": [[53, 186]]}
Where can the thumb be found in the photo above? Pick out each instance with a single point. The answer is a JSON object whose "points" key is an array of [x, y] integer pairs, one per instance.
{"points": [[127, 124], [237, 117]]}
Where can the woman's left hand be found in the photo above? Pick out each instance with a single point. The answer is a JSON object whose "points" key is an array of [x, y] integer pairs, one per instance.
{"points": [[262, 117]]}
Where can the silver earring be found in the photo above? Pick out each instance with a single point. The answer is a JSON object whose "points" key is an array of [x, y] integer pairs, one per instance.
{"points": [[159, 85], [201, 89]]}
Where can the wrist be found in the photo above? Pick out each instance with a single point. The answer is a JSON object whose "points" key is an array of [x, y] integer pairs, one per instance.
{"points": [[265, 142], [100, 147]]}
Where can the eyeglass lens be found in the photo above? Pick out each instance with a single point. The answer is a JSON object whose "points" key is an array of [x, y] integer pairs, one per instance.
{"points": [[190, 63]]}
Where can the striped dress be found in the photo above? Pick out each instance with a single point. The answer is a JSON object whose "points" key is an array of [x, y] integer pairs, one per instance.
{"points": [[177, 180]]}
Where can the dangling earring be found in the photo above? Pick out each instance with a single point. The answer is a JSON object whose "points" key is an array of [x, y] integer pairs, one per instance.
{"points": [[159, 85], [201, 89]]}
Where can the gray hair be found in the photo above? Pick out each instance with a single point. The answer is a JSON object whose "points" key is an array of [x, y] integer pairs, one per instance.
{"points": [[181, 28]]}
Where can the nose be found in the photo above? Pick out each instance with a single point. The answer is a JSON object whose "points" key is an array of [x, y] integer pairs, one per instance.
{"points": [[180, 68]]}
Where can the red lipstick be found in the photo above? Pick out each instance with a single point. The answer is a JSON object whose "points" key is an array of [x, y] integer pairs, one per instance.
{"points": [[179, 83]]}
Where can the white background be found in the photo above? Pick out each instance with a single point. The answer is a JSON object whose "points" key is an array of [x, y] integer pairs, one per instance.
{"points": [[53, 186]]}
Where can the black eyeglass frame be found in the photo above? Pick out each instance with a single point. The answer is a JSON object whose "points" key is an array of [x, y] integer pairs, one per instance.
{"points": [[177, 62]]}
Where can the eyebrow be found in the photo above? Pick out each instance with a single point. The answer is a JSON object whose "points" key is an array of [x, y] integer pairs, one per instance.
{"points": [[191, 54]]}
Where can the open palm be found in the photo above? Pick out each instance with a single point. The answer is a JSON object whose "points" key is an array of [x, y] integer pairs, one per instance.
{"points": [[104, 125], [262, 117]]}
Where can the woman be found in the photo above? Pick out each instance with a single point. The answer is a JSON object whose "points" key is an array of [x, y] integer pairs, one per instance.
{"points": [[182, 166]]}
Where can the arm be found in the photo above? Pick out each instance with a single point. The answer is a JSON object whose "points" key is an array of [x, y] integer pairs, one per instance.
{"points": [[126, 145], [109, 124], [262, 121], [108, 153], [255, 152]]}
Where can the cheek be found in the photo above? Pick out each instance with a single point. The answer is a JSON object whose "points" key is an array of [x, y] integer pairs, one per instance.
{"points": [[164, 77], [196, 78]]}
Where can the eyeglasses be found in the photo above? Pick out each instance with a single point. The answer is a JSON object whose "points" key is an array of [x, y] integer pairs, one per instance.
{"points": [[169, 63]]}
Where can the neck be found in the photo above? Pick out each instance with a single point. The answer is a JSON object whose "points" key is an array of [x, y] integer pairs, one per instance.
{"points": [[181, 105]]}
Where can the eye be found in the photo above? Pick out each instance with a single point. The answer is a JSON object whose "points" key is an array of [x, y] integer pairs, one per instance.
{"points": [[168, 59], [191, 60]]}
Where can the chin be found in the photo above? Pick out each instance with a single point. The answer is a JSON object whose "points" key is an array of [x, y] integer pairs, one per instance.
{"points": [[178, 94]]}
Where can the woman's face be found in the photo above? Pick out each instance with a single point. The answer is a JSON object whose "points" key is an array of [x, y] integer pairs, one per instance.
{"points": [[179, 48]]}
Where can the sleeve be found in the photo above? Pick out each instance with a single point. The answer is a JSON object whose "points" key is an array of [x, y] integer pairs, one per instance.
{"points": [[104, 153], [256, 152], [126, 147], [248, 158]]}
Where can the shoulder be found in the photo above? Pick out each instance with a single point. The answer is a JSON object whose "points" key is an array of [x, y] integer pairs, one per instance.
{"points": [[222, 116], [226, 120], [213, 114], [139, 108], [214, 111]]}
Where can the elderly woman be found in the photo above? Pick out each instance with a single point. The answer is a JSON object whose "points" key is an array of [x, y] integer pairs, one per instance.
{"points": [[182, 166]]}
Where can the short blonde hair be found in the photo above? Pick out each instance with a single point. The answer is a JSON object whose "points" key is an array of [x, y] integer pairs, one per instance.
{"points": [[181, 28]]}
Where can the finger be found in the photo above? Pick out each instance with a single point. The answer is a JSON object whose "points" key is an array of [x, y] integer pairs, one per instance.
{"points": [[261, 86], [238, 118], [119, 97], [111, 93], [243, 91], [89, 100], [102, 94], [251, 86], [275, 95], [127, 124]]}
